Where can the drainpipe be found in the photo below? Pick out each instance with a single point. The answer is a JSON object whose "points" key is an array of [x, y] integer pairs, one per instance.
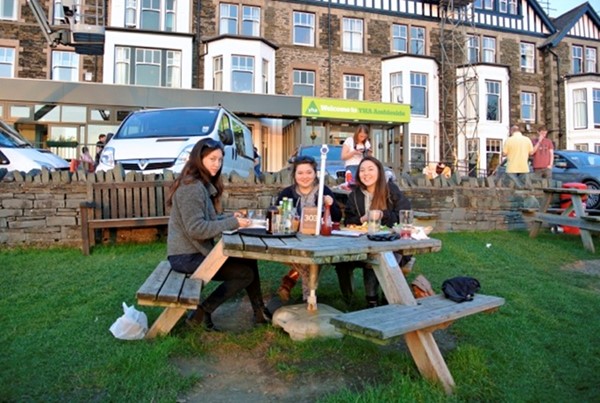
{"points": [[560, 128], [329, 43], [198, 41]]}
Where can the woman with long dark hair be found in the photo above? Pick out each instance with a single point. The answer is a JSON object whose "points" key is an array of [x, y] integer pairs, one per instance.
{"points": [[196, 220], [356, 147], [371, 192]]}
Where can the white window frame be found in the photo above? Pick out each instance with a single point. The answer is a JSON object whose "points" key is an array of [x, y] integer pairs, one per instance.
{"points": [[396, 94], [128, 61], [151, 58], [493, 147], [166, 11], [251, 18], [597, 148], [493, 89], [590, 60], [400, 38], [488, 46], [218, 73], [242, 64], [352, 35], [354, 82], [577, 59], [528, 106], [13, 16], [7, 61], [581, 146], [228, 18], [488, 4], [131, 13], [417, 40], [527, 59], [419, 144], [122, 65], [419, 80], [596, 106], [580, 108], [513, 7], [303, 79], [65, 63], [472, 48], [173, 72], [303, 22], [265, 76]]}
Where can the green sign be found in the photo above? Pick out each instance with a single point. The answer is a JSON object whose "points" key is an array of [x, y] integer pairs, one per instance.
{"points": [[361, 111]]}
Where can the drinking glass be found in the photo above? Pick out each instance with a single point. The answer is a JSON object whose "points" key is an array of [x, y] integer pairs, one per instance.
{"points": [[374, 221], [406, 223]]}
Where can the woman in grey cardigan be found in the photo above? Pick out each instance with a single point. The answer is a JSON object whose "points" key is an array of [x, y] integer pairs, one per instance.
{"points": [[196, 220]]}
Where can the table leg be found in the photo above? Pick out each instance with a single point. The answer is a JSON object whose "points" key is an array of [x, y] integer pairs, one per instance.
{"points": [[421, 344], [586, 237], [313, 284], [205, 272], [536, 225]]}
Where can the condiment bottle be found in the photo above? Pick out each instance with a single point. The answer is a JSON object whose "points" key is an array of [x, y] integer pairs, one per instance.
{"points": [[272, 213], [326, 225]]}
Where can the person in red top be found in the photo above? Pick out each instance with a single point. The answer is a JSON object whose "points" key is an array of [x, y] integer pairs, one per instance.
{"points": [[543, 154]]}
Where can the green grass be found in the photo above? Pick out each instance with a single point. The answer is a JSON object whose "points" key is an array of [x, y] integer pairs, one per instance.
{"points": [[56, 307]]}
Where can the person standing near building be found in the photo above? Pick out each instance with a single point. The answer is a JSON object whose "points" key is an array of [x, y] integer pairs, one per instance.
{"points": [[356, 147], [100, 146], [517, 149], [543, 154]]}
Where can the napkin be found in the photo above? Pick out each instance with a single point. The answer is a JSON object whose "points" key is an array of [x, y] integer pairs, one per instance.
{"points": [[419, 233]]}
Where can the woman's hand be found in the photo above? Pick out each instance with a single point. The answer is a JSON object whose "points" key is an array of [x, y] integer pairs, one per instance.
{"points": [[328, 200], [243, 222]]}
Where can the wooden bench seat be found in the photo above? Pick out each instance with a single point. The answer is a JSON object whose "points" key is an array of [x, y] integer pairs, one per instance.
{"points": [[128, 204], [166, 287], [385, 323]]}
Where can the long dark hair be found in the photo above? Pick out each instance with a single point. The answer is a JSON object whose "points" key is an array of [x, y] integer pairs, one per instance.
{"points": [[361, 128], [194, 170], [380, 195]]}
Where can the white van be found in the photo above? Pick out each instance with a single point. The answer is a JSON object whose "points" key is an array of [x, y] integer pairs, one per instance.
{"points": [[18, 154], [150, 141]]}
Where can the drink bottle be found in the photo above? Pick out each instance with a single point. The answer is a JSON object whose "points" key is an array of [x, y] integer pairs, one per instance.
{"points": [[272, 213], [326, 225]]}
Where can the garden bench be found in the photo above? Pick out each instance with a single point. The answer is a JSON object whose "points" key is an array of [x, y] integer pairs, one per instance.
{"points": [[168, 288], [126, 204], [386, 323]]}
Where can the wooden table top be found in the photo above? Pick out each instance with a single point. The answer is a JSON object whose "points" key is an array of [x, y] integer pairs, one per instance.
{"points": [[308, 249]]}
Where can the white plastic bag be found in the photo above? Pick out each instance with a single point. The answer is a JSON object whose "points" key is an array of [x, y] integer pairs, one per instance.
{"points": [[133, 325]]}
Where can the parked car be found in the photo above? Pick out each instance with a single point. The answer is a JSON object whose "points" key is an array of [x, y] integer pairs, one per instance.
{"points": [[150, 141], [578, 166], [573, 166], [18, 154]]}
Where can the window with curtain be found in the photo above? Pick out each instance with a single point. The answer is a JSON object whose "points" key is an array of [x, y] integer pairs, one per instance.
{"points": [[353, 86], [242, 73], [489, 49], [173, 69], [577, 59], [265, 76], [218, 73], [418, 151], [7, 62], [579, 109], [417, 40], [396, 88], [65, 66], [528, 107], [304, 83], [228, 14], [418, 94], [472, 49], [590, 60], [596, 97], [493, 152], [153, 15], [304, 29], [147, 66], [492, 100], [527, 57], [353, 35], [250, 21], [399, 38]]}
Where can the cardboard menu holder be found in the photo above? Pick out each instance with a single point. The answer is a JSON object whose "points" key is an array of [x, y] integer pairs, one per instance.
{"points": [[308, 221]]}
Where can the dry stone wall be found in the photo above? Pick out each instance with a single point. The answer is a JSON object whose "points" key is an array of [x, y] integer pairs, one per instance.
{"points": [[43, 209]]}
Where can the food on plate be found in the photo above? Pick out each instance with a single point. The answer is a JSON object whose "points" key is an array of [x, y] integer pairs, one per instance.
{"points": [[355, 227]]}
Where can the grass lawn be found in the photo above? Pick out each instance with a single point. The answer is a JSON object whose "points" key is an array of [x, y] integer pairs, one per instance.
{"points": [[56, 307]]}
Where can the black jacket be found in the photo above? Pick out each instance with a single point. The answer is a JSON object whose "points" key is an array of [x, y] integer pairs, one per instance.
{"points": [[290, 192], [355, 207]]}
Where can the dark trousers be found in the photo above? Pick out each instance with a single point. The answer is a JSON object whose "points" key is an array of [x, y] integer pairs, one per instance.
{"points": [[235, 274]]}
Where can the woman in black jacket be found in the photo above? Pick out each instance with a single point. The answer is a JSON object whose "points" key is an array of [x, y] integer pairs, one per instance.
{"points": [[304, 192], [371, 192]]}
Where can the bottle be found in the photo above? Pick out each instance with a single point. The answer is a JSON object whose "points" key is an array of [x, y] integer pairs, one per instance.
{"points": [[326, 225], [272, 213]]}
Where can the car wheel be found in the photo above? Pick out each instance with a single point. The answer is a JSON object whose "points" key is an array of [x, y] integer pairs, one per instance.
{"points": [[593, 201]]}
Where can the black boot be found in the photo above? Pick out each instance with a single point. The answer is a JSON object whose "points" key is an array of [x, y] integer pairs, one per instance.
{"points": [[261, 314], [371, 301], [200, 316]]}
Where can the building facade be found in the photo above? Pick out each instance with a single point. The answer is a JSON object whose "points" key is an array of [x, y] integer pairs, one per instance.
{"points": [[468, 69]]}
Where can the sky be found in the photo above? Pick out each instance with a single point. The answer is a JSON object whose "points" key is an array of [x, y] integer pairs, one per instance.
{"points": [[562, 6]]}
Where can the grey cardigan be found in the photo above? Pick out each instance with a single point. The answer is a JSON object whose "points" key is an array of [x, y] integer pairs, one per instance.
{"points": [[193, 222]]}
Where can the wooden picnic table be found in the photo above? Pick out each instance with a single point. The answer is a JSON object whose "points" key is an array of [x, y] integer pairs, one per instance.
{"points": [[574, 215]]}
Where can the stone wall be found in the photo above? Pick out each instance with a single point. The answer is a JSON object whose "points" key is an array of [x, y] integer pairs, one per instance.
{"points": [[43, 210]]}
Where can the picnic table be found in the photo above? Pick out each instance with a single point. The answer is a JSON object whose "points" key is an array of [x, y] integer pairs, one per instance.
{"points": [[574, 215], [404, 316]]}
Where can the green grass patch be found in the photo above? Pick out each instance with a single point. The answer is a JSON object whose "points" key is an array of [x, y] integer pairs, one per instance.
{"points": [[57, 306]]}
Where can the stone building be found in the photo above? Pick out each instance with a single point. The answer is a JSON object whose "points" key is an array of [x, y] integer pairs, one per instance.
{"points": [[468, 70]]}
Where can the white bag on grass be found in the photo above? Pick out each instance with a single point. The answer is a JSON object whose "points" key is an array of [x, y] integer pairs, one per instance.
{"points": [[133, 325]]}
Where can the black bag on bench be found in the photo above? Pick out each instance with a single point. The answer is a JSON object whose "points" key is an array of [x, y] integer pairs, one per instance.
{"points": [[460, 289]]}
